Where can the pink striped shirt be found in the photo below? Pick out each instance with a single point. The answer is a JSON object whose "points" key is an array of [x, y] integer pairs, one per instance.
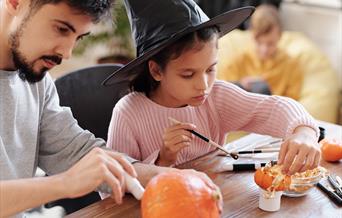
{"points": [[138, 123]]}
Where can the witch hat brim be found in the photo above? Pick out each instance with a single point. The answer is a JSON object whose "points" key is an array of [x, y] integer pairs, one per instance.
{"points": [[226, 22]]}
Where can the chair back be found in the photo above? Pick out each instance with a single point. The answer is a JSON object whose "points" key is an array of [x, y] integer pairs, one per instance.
{"points": [[91, 103]]}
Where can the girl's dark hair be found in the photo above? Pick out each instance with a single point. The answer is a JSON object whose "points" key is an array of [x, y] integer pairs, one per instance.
{"points": [[96, 9], [145, 83]]}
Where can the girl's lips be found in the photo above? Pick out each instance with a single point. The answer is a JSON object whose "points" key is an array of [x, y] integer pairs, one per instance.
{"points": [[200, 97]]}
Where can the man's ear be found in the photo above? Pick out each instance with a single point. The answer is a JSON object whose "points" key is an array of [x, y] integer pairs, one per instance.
{"points": [[12, 6], [155, 70]]}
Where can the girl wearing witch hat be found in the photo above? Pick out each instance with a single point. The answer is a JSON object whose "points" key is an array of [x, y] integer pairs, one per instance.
{"points": [[174, 76]]}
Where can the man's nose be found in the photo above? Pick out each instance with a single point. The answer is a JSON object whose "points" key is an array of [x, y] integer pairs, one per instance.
{"points": [[65, 49]]}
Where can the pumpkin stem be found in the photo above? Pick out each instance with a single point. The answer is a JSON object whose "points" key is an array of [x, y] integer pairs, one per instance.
{"points": [[215, 195]]}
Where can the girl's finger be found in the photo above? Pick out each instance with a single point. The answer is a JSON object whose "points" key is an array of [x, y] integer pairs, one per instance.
{"points": [[283, 151], [185, 126], [174, 134], [182, 145], [309, 161], [298, 162], [317, 159], [179, 139], [289, 157]]}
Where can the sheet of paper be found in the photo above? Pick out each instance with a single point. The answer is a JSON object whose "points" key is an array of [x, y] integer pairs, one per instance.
{"points": [[250, 142]]}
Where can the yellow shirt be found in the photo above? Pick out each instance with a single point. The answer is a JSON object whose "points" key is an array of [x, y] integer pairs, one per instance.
{"points": [[320, 91], [282, 73]]}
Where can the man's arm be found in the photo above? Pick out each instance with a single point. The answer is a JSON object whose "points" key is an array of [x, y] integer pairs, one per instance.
{"points": [[145, 172], [62, 142], [21, 194], [83, 177], [97, 167]]}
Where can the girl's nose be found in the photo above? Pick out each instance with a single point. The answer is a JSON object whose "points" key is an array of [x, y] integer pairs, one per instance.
{"points": [[202, 82]]}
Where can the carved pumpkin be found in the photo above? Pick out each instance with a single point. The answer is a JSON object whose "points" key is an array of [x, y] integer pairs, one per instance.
{"points": [[270, 178], [331, 149], [179, 195]]}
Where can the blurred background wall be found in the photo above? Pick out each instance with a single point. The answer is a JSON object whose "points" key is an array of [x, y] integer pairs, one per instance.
{"points": [[320, 20]]}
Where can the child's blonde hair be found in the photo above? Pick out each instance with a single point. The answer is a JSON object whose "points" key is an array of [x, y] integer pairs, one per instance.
{"points": [[264, 20]]}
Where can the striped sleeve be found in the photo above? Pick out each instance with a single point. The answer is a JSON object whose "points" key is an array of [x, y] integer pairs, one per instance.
{"points": [[120, 135], [272, 115], [123, 138]]}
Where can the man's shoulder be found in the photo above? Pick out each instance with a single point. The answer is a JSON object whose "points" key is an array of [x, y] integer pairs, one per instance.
{"points": [[47, 80], [42, 85]]}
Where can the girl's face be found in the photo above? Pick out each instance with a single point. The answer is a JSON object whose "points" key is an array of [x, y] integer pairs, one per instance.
{"points": [[188, 79]]}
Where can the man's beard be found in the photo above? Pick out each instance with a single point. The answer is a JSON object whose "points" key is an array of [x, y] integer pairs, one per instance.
{"points": [[25, 69]]}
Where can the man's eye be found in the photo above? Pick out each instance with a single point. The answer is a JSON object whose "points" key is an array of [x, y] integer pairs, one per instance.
{"points": [[63, 30], [80, 38]]}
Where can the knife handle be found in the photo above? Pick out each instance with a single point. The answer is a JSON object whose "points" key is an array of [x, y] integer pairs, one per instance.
{"points": [[332, 195]]}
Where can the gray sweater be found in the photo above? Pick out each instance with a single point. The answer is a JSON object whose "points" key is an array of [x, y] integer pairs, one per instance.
{"points": [[36, 131]]}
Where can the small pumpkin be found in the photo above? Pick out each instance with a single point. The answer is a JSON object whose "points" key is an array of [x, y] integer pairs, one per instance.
{"points": [[331, 149], [179, 195], [271, 178]]}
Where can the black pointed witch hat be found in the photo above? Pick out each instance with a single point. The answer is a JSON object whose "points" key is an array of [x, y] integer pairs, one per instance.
{"points": [[155, 24]]}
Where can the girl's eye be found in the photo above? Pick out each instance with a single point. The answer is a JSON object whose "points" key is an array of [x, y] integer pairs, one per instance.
{"points": [[187, 76], [211, 70]]}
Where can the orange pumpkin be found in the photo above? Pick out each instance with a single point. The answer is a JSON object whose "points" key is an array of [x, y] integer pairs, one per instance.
{"points": [[179, 195], [265, 176], [331, 149]]}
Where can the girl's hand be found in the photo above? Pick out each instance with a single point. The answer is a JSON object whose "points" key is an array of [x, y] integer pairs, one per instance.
{"points": [[176, 137], [300, 151]]}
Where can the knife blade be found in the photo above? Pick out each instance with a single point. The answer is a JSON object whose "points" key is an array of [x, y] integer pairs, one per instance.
{"points": [[339, 181], [335, 185]]}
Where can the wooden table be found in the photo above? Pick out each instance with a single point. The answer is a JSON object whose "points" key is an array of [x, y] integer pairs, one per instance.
{"points": [[240, 193]]}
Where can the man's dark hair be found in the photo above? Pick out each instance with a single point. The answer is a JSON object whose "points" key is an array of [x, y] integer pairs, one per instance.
{"points": [[96, 9]]}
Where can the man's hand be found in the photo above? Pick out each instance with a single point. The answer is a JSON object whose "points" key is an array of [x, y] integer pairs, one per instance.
{"points": [[300, 151], [176, 137], [97, 167]]}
